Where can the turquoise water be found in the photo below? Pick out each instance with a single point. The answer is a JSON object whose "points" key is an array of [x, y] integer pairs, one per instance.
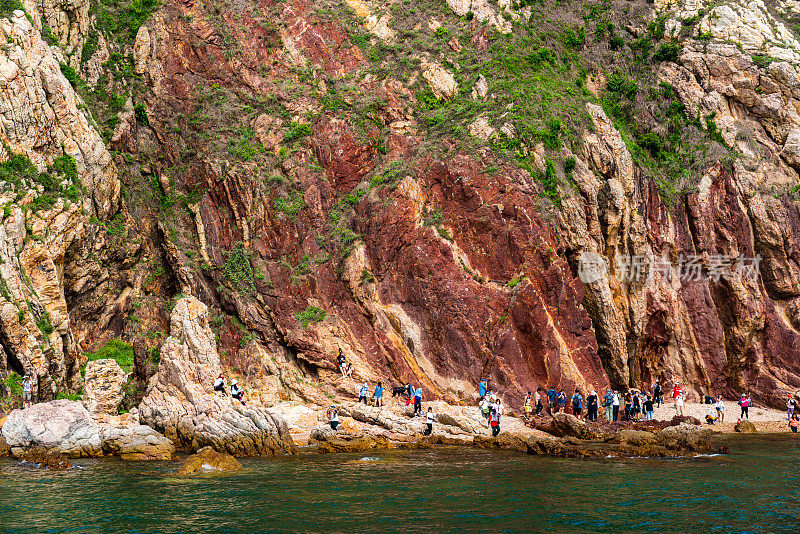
{"points": [[442, 490]]}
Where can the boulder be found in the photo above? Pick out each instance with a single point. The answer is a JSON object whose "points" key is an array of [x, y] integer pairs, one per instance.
{"points": [[5, 450], [180, 401], [207, 460], [103, 385], [745, 427], [66, 427], [61, 425], [688, 419], [137, 443], [687, 437], [322, 434], [564, 424], [45, 458], [634, 437]]}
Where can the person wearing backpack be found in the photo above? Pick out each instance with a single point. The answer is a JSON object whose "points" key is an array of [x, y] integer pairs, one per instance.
{"points": [[791, 404], [577, 403]]}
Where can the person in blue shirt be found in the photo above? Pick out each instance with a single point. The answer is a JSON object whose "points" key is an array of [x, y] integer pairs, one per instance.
{"points": [[362, 393], [482, 388], [377, 397], [577, 403], [418, 402], [551, 396]]}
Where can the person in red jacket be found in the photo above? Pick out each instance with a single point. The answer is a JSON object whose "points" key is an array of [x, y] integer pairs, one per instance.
{"points": [[676, 390]]}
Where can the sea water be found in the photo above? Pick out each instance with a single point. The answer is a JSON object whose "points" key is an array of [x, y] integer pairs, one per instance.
{"points": [[755, 489]]}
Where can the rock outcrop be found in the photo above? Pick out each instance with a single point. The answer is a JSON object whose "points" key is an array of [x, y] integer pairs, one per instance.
{"points": [[209, 461], [45, 458], [745, 427], [103, 383], [66, 427], [180, 401]]}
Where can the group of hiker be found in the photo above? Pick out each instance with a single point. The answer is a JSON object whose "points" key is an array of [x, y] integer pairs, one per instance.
{"points": [[491, 407], [236, 391]]}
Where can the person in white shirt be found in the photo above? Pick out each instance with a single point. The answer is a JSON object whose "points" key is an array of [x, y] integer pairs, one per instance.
{"points": [[333, 416], [720, 410], [679, 404], [237, 392], [27, 392], [219, 385], [485, 407], [429, 423], [615, 406]]}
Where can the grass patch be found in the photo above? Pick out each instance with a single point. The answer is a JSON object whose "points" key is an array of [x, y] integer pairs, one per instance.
{"points": [[311, 315], [114, 349]]}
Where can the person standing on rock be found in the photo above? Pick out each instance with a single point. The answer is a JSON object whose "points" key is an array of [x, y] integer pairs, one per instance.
{"points": [[494, 422], [363, 392], [744, 405], [608, 400], [793, 423], [237, 392], [377, 395], [636, 408], [526, 406], [333, 417], [341, 360], [648, 408], [657, 393], [482, 388], [551, 398], [485, 408], [418, 402], [679, 404], [429, 423], [720, 410], [676, 390], [615, 406], [577, 403], [538, 397], [348, 371], [791, 404], [219, 385], [562, 401], [591, 406], [27, 392]]}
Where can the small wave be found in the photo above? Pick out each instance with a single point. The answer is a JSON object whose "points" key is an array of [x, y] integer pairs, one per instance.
{"points": [[370, 459], [707, 455]]}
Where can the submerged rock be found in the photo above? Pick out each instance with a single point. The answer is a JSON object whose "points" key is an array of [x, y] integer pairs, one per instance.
{"points": [[45, 458], [209, 461], [745, 427], [181, 403], [501, 441]]}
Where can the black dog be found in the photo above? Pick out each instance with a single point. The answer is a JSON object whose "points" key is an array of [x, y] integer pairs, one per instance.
{"points": [[398, 391]]}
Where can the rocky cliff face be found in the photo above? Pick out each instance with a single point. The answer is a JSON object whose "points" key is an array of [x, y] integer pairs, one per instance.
{"points": [[418, 187]]}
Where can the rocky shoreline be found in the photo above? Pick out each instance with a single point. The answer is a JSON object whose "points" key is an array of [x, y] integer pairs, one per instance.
{"points": [[180, 412]]}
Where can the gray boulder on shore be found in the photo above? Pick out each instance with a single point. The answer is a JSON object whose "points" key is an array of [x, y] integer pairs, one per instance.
{"points": [[66, 427]]}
